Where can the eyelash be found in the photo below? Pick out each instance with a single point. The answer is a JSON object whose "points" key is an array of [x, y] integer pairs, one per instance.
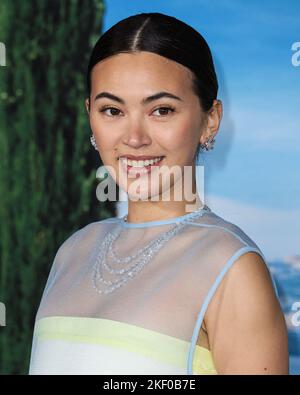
{"points": [[103, 109]]}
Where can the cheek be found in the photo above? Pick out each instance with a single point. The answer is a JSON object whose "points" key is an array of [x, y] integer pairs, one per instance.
{"points": [[103, 133], [177, 137]]}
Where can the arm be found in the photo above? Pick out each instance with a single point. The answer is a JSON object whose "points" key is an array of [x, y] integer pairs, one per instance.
{"points": [[246, 327]]}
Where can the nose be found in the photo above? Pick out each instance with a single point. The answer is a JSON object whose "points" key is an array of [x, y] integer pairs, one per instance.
{"points": [[136, 136]]}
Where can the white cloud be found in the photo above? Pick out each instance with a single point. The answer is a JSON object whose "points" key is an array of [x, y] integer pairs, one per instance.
{"points": [[271, 129], [275, 231]]}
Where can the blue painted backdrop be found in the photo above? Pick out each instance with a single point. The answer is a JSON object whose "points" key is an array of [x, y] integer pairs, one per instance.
{"points": [[252, 175]]}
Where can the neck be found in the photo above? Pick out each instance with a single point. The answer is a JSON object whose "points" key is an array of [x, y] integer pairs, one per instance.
{"points": [[144, 211]]}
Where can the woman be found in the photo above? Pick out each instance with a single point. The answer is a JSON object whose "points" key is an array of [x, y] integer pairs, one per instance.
{"points": [[166, 289]]}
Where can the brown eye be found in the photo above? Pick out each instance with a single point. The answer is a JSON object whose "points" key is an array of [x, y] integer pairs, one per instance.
{"points": [[165, 110], [113, 113]]}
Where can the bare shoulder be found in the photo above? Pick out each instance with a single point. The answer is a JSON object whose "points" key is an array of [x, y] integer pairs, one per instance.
{"points": [[245, 324]]}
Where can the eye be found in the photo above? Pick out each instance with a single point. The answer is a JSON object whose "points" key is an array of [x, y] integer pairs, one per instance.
{"points": [[114, 110], [166, 108], [103, 109]]}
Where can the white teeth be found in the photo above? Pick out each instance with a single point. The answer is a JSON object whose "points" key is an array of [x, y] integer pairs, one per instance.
{"points": [[140, 163]]}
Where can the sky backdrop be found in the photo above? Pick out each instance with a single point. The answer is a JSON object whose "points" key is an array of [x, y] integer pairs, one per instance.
{"points": [[252, 174]]}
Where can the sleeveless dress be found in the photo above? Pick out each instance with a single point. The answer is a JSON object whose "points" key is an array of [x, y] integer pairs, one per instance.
{"points": [[149, 324]]}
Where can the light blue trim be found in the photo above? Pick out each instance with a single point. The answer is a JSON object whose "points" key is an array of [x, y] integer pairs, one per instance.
{"points": [[211, 293], [204, 209]]}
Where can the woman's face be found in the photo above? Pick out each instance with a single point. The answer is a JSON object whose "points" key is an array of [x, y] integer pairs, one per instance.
{"points": [[144, 128]]}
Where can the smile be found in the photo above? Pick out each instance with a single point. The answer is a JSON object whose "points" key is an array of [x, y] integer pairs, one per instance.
{"points": [[134, 167]]}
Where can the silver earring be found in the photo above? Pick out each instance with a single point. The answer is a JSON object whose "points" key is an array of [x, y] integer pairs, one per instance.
{"points": [[209, 144], [93, 142]]}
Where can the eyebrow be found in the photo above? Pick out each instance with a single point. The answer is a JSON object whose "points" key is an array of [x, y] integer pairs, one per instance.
{"points": [[146, 100]]}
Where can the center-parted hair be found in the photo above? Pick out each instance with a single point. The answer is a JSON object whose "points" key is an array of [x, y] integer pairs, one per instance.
{"points": [[166, 36]]}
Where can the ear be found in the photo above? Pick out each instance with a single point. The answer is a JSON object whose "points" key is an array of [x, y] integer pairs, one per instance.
{"points": [[213, 120], [87, 105]]}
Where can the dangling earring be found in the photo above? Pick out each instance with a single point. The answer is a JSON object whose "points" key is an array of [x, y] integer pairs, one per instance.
{"points": [[209, 144], [200, 167], [93, 141]]}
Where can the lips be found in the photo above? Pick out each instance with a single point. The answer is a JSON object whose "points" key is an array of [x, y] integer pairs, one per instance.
{"points": [[133, 170], [142, 157]]}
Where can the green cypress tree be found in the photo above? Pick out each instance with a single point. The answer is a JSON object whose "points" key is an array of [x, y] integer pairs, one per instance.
{"points": [[47, 165]]}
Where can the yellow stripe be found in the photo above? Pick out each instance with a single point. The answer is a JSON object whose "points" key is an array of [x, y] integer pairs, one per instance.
{"points": [[159, 346]]}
